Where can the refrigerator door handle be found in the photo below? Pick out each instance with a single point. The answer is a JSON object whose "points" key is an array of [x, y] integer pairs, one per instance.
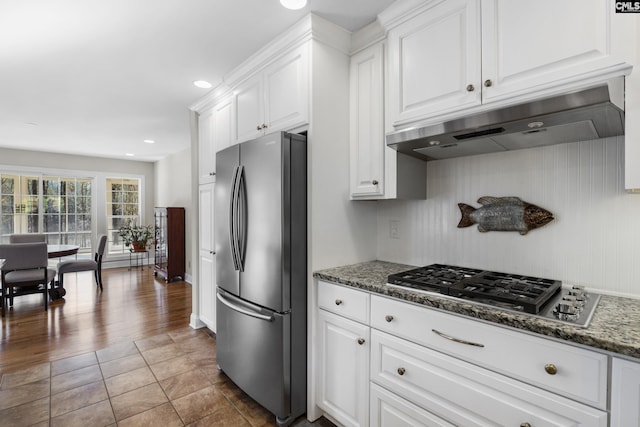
{"points": [[244, 310], [242, 218], [233, 219]]}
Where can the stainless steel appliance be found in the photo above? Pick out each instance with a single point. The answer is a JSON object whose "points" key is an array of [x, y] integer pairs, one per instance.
{"points": [[531, 295], [260, 235], [582, 115]]}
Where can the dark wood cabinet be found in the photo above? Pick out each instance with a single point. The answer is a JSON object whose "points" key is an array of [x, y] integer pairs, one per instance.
{"points": [[169, 248]]}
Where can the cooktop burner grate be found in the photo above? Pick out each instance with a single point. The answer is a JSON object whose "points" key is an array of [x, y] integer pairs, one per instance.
{"points": [[528, 294]]}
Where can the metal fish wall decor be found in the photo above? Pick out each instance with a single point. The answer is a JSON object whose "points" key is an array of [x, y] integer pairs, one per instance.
{"points": [[504, 214]]}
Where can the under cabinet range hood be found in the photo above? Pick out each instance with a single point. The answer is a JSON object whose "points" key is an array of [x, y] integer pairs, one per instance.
{"points": [[593, 113]]}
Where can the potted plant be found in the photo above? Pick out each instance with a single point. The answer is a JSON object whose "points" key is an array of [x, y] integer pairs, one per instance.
{"points": [[136, 236]]}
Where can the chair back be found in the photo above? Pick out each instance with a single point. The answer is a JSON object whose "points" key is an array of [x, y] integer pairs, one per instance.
{"points": [[22, 256], [102, 244], [27, 238]]}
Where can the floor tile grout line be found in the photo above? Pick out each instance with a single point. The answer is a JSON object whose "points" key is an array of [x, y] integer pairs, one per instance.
{"points": [[102, 380]]}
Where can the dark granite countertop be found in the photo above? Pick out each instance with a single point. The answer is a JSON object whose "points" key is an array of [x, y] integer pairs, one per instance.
{"points": [[615, 326]]}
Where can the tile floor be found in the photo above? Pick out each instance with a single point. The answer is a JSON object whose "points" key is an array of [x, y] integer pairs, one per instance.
{"points": [[169, 380]]}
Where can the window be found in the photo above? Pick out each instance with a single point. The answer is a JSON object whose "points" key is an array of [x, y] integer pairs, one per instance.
{"points": [[67, 210], [59, 207], [19, 208], [123, 206]]}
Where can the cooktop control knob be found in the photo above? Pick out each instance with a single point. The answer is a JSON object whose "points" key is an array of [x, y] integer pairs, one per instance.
{"points": [[572, 300], [565, 311]]}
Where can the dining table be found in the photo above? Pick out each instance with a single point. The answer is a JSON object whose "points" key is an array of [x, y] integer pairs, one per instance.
{"points": [[59, 251]]}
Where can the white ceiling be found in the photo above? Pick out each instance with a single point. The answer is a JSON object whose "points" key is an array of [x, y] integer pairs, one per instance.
{"points": [[97, 77]]}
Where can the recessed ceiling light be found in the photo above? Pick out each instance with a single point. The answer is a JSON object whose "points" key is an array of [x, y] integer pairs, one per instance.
{"points": [[293, 4], [203, 84], [128, 154], [149, 141]]}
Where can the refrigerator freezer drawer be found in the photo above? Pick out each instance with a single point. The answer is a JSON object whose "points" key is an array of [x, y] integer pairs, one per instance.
{"points": [[253, 350]]}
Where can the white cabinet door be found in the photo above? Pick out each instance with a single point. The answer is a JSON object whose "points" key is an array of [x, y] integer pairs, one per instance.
{"points": [[206, 150], [207, 259], [526, 45], [625, 393], [343, 387], [277, 98], [286, 96], [434, 62], [223, 124], [249, 107], [366, 134]]}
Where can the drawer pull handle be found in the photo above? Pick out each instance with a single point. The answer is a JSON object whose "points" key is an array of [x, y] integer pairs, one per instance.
{"points": [[525, 425], [401, 371], [450, 338], [388, 318], [361, 341], [338, 301], [551, 369]]}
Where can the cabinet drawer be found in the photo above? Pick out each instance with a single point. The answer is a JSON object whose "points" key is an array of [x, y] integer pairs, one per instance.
{"points": [[581, 374], [387, 409], [347, 302], [465, 394]]}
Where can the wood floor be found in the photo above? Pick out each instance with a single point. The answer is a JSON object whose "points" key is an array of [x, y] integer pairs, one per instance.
{"points": [[133, 305]]}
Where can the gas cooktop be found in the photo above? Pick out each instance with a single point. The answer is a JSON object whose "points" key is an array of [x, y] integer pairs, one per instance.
{"points": [[532, 295]]}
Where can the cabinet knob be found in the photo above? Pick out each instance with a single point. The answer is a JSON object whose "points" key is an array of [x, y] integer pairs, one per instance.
{"points": [[551, 369], [259, 127], [264, 126], [401, 371], [388, 318], [361, 341], [488, 83], [525, 425], [374, 182], [212, 174], [470, 88], [212, 252], [338, 301]]}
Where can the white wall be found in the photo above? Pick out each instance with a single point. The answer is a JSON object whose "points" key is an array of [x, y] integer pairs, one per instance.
{"points": [[173, 189], [594, 240], [340, 231]]}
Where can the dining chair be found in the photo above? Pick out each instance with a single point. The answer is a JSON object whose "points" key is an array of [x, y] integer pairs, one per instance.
{"points": [[76, 265], [25, 272], [27, 238]]}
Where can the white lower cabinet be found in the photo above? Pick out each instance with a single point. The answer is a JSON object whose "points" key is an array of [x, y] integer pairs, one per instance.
{"points": [[625, 393], [343, 386], [466, 395], [206, 257], [390, 363]]}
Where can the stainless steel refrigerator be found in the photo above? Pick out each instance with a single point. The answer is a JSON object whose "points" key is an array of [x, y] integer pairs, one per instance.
{"points": [[261, 262]]}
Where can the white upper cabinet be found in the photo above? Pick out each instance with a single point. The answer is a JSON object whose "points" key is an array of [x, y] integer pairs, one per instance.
{"points": [[215, 132], [249, 109], [376, 171], [223, 135], [277, 98], [450, 58], [367, 122], [206, 150], [434, 62], [528, 45]]}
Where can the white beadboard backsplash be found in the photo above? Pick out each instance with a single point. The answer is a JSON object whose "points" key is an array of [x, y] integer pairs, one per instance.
{"points": [[594, 240]]}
